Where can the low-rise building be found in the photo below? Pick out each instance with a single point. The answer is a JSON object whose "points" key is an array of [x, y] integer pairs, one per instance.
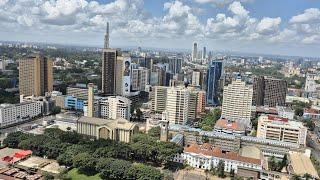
{"points": [[285, 112], [300, 164], [17, 113], [118, 130], [230, 127], [281, 129], [72, 102], [206, 156]]}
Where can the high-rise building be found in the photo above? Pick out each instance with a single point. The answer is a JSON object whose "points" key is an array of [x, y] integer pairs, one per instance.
{"points": [[35, 75], [177, 105], [196, 78], [139, 78], [175, 64], [269, 91], [158, 97], [108, 71], [204, 53], [201, 102], [194, 51], [237, 99], [215, 70], [114, 107]]}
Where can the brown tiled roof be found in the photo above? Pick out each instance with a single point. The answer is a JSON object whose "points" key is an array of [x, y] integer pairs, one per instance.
{"points": [[208, 150], [225, 124]]}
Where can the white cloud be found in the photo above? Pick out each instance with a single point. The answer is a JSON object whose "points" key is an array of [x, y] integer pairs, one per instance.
{"points": [[268, 25], [237, 9], [219, 2], [309, 16]]}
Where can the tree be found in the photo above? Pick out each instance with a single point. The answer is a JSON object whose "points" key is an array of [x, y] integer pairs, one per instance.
{"points": [[142, 172], [155, 132], [56, 110], [307, 176], [272, 163], [298, 111], [207, 123], [116, 169], [310, 124], [13, 139], [85, 163], [221, 169]]}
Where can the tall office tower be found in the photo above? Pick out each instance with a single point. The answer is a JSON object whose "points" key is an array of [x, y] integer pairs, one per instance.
{"points": [[114, 107], [194, 51], [35, 75], [158, 97], [106, 37], [214, 72], [269, 91], [90, 100], [237, 99], [175, 64], [108, 71], [204, 53], [139, 78]]}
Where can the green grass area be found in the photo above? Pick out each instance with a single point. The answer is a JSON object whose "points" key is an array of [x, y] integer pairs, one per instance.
{"points": [[75, 175]]}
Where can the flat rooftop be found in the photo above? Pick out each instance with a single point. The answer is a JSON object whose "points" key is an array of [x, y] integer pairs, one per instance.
{"points": [[301, 164]]}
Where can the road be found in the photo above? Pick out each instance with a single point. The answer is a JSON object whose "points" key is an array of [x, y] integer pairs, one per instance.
{"points": [[312, 142], [4, 132]]}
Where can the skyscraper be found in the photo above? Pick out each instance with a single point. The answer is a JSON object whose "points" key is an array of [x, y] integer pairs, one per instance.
{"points": [[109, 57], [204, 53], [35, 75], [269, 91], [237, 99], [194, 51], [175, 64], [213, 76]]}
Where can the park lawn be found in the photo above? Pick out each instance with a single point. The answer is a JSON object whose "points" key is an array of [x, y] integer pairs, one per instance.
{"points": [[74, 174]]}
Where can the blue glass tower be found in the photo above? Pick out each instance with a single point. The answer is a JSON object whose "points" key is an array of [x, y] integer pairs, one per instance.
{"points": [[213, 76]]}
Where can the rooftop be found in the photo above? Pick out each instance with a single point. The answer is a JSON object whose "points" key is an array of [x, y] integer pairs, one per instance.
{"points": [[118, 123], [208, 150], [301, 164], [226, 124]]}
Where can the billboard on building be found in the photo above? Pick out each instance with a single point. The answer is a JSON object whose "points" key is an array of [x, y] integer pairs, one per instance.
{"points": [[126, 76]]}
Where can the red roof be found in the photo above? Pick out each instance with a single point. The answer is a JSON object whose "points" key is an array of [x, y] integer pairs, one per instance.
{"points": [[23, 153], [208, 150], [277, 118]]}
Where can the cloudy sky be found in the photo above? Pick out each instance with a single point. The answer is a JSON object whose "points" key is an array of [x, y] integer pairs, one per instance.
{"points": [[289, 27]]}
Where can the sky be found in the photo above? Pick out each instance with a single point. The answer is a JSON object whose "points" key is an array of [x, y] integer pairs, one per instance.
{"points": [[284, 27]]}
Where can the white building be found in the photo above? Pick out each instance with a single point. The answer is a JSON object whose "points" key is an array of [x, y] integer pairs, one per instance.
{"points": [[196, 78], [114, 107], [177, 105], [311, 85], [285, 112], [16, 113], [237, 99], [281, 129], [206, 156]]}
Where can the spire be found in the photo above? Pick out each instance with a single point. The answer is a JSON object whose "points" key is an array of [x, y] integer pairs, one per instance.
{"points": [[106, 37]]}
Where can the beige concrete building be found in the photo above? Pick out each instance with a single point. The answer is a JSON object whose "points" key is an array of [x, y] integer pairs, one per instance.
{"points": [[79, 92], [158, 97], [118, 130], [114, 107], [90, 101], [237, 99], [139, 78], [35, 75], [281, 129]]}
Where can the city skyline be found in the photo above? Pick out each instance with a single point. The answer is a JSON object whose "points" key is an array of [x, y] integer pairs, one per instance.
{"points": [[242, 26]]}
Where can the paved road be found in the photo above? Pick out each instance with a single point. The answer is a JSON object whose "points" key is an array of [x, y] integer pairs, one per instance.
{"points": [[5, 131], [312, 142]]}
